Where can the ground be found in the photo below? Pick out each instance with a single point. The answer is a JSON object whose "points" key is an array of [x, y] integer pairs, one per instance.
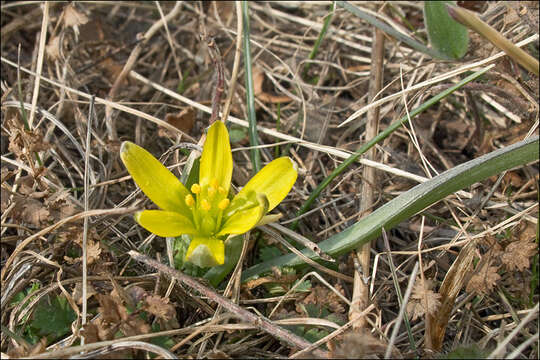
{"points": [[156, 85]]}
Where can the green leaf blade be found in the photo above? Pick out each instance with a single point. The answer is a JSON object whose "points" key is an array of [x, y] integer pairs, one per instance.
{"points": [[53, 319], [445, 34], [413, 201]]}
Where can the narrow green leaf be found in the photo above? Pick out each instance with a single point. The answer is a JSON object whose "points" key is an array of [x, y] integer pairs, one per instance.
{"points": [[395, 125], [250, 95], [392, 32], [413, 201], [445, 34], [313, 53]]}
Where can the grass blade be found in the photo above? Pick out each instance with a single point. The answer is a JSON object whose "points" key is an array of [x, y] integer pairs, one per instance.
{"points": [[305, 207], [250, 96], [392, 32], [313, 53], [413, 201]]}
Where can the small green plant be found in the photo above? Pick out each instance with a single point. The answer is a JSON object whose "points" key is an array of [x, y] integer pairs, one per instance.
{"points": [[51, 318], [206, 212]]}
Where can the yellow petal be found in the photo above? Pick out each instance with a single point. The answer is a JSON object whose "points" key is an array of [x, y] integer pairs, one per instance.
{"points": [[206, 251], [165, 223], [243, 220], [216, 158], [154, 179], [275, 180]]}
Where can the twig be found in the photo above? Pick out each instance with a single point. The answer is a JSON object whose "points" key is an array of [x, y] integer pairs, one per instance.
{"points": [[360, 291], [39, 66], [85, 221], [236, 65], [127, 345], [219, 87], [261, 323]]}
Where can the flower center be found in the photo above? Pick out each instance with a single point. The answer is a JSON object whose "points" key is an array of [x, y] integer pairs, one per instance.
{"points": [[207, 205]]}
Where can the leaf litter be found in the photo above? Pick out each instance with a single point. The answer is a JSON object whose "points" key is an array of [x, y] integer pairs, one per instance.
{"points": [[87, 49]]}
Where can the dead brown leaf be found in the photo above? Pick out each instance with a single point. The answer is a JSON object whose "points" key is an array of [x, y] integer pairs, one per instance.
{"points": [[23, 142], [69, 233], [359, 345], [135, 326], [258, 80], [285, 279], [513, 179], [30, 211], [59, 205], [516, 255], [90, 332], [321, 295], [114, 313], [162, 309], [93, 251], [111, 311], [77, 292], [483, 281], [72, 17], [20, 351], [53, 48], [183, 120], [423, 300]]}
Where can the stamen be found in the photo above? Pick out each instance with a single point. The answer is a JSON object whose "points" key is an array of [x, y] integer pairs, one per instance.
{"points": [[196, 188], [211, 192], [205, 205], [214, 183], [223, 204], [222, 191], [189, 200]]}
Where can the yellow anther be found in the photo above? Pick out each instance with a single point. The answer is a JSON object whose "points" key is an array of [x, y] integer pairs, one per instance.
{"points": [[205, 205], [222, 191], [189, 200], [196, 188], [214, 183], [211, 192], [223, 204]]}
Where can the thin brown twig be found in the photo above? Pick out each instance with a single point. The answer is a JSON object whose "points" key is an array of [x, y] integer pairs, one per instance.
{"points": [[236, 65], [360, 289], [261, 323], [218, 75], [39, 67]]}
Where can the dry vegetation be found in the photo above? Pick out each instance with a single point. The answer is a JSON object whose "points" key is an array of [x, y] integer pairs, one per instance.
{"points": [[153, 85]]}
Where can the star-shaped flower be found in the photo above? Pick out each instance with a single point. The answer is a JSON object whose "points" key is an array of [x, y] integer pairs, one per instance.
{"points": [[206, 212]]}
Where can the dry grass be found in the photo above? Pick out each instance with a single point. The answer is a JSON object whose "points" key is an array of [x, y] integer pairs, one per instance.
{"points": [[153, 80]]}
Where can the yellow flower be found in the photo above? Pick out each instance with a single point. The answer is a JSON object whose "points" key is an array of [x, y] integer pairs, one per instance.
{"points": [[205, 211]]}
